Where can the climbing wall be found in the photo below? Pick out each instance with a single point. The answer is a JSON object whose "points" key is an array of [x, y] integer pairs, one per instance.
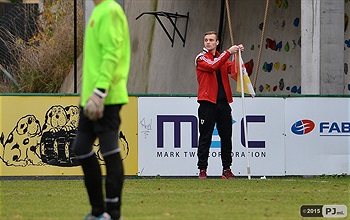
{"points": [[278, 70]]}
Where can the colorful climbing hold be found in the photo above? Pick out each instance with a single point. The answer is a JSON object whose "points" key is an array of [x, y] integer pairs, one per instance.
{"points": [[346, 22], [294, 44], [277, 65], [261, 88], [284, 66], [346, 68], [267, 67], [347, 42], [271, 43], [278, 3], [286, 47], [264, 67], [261, 25], [283, 23], [281, 84], [299, 90], [296, 22], [278, 46]]}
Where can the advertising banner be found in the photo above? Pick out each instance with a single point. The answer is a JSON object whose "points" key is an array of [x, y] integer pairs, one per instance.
{"points": [[317, 136], [168, 137], [159, 136], [37, 135]]}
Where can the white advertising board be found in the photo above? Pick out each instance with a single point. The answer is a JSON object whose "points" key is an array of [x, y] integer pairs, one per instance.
{"points": [[168, 137], [317, 136]]}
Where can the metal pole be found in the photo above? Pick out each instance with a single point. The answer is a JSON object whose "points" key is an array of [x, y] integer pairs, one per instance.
{"points": [[244, 113]]}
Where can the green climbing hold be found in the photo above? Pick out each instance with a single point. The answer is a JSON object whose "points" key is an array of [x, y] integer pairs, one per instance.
{"points": [[286, 47]]}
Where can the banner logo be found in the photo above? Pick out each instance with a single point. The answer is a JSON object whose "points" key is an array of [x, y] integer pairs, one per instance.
{"points": [[252, 119], [334, 129], [177, 120], [302, 127]]}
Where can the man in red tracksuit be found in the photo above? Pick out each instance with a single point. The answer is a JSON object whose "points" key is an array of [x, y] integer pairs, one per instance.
{"points": [[214, 97]]}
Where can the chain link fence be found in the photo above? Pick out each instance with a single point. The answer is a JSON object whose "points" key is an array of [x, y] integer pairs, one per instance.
{"points": [[16, 21]]}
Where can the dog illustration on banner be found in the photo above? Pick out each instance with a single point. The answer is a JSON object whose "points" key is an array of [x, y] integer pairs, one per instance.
{"points": [[29, 143], [59, 133], [21, 146]]}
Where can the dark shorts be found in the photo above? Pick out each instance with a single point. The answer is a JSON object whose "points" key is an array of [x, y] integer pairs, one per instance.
{"points": [[105, 129]]}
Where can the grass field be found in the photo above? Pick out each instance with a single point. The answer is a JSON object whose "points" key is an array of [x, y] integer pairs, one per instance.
{"points": [[178, 198]]}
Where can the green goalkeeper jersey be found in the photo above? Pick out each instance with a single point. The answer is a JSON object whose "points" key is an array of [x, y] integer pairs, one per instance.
{"points": [[106, 60]]}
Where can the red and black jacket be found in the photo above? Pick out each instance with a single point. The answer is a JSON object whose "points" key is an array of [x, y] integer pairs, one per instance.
{"points": [[206, 67]]}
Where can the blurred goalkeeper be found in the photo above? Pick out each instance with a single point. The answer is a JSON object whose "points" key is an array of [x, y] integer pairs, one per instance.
{"points": [[104, 92]]}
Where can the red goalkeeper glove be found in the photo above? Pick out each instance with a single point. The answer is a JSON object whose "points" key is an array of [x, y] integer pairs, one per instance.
{"points": [[94, 107]]}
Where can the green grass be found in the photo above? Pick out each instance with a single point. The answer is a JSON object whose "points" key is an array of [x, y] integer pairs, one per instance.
{"points": [[183, 198]]}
